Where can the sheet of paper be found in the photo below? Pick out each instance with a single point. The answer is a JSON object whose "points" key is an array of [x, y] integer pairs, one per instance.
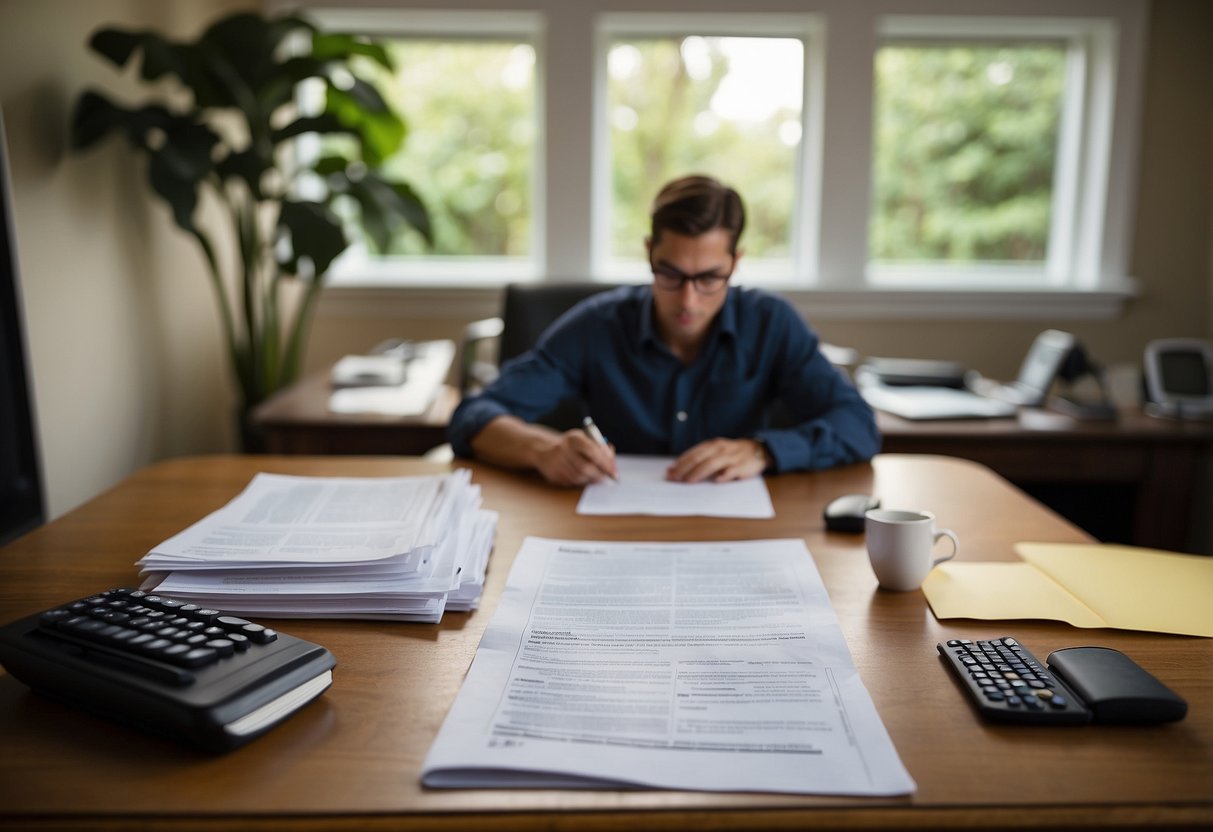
{"points": [[426, 374], [643, 489], [702, 666], [1086, 585]]}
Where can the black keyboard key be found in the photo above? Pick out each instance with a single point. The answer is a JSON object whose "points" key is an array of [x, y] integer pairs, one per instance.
{"points": [[222, 646], [1001, 692]]}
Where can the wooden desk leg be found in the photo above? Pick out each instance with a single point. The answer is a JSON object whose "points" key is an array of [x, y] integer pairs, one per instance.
{"points": [[1164, 497]]}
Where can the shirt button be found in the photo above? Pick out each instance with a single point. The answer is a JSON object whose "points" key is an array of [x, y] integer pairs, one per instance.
{"points": [[681, 416]]}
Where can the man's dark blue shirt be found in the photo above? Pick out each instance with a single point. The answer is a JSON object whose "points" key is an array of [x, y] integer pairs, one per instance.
{"points": [[646, 401]]}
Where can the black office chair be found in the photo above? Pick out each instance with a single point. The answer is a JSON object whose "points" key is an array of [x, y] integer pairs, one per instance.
{"points": [[527, 309]]}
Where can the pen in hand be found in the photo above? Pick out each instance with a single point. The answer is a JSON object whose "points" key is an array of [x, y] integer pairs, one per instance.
{"points": [[596, 435]]}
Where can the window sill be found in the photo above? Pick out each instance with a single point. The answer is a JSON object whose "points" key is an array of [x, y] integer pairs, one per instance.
{"points": [[902, 303]]}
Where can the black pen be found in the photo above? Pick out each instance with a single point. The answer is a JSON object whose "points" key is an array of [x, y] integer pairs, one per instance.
{"points": [[596, 435]]}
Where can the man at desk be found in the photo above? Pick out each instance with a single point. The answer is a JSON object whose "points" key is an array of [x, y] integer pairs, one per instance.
{"points": [[685, 366]]}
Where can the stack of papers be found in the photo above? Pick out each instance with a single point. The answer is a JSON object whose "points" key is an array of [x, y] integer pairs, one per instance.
{"points": [[397, 548]]}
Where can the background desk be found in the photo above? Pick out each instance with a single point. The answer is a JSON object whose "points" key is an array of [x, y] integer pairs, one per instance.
{"points": [[351, 760], [297, 421], [1130, 481]]}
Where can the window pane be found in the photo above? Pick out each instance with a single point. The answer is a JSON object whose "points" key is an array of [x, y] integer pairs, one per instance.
{"points": [[723, 106], [965, 148], [469, 107]]}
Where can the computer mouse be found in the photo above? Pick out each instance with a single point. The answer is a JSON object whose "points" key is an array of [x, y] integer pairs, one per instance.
{"points": [[845, 513]]}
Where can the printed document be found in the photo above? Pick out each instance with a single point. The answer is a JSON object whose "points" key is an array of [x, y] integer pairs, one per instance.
{"points": [[643, 489], [700, 666]]}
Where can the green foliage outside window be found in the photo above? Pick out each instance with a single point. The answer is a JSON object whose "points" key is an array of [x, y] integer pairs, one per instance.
{"points": [[965, 149], [664, 125], [473, 154]]}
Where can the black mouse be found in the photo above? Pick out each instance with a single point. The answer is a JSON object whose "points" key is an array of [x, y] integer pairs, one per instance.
{"points": [[845, 513]]}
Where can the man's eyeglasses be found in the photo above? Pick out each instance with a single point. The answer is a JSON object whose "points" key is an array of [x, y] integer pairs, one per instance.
{"points": [[669, 279]]}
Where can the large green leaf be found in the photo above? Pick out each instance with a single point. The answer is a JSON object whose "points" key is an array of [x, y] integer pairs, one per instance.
{"points": [[381, 131], [324, 123], [247, 165], [94, 117], [384, 206], [327, 46], [314, 233]]}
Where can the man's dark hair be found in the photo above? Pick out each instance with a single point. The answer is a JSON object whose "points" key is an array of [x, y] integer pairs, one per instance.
{"points": [[694, 205]]}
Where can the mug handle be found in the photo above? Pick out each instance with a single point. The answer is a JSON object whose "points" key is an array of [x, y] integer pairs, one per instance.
{"points": [[950, 535]]}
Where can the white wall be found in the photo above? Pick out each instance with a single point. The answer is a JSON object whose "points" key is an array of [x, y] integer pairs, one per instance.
{"points": [[122, 334]]}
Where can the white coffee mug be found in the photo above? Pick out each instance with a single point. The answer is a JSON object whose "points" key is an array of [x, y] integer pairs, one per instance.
{"points": [[900, 545]]}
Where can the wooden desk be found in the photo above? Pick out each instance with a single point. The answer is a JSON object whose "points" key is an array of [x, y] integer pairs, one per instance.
{"points": [[297, 421], [351, 760], [1128, 481]]}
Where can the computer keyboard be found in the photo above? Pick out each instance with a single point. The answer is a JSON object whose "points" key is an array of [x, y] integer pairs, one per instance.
{"points": [[193, 674]]}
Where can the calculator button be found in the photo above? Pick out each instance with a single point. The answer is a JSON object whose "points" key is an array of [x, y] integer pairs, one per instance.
{"points": [[222, 646], [198, 657]]}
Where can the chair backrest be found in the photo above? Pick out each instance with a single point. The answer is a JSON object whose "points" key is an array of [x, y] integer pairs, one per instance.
{"points": [[529, 309]]}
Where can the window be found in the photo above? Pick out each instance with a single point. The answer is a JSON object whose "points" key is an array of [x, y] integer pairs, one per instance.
{"points": [[892, 165], [729, 106], [983, 136], [965, 153], [469, 99]]}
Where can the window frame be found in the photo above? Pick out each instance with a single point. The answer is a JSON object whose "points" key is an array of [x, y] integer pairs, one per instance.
{"points": [[354, 268], [836, 284]]}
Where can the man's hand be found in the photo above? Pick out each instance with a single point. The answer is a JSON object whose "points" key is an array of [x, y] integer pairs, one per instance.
{"points": [[573, 458], [720, 460], [569, 458]]}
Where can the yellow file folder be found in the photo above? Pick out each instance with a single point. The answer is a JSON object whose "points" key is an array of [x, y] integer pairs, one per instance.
{"points": [[1087, 585]]}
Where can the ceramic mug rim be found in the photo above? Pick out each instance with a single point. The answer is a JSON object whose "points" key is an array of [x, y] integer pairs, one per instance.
{"points": [[898, 516]]}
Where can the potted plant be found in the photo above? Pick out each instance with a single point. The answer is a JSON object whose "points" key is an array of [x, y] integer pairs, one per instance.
{"points": [[230, 134]]}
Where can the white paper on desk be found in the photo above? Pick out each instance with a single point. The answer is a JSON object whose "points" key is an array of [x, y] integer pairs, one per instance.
{"points": [[426, 373], [316, 520], [643, 489], [703, 666]]}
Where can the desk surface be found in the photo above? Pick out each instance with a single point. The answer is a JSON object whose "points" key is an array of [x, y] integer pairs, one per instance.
{"points": [[351, 760]]}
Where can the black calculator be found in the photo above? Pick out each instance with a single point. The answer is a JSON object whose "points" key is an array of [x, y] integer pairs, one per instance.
{"points": [[1077, 685], [193, 674]]}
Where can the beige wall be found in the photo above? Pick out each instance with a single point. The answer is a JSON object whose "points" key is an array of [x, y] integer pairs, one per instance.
{"points": [[122, 329], [120, 324]]}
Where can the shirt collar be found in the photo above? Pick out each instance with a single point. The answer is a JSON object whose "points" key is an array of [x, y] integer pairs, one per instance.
{"points": [[725, 323]]}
